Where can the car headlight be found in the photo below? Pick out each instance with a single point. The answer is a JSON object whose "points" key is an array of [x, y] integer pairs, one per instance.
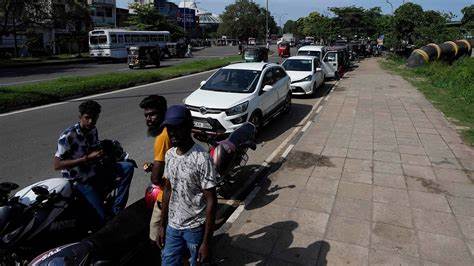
{"points": [[184, 100], [238, 109], [308, 78]]}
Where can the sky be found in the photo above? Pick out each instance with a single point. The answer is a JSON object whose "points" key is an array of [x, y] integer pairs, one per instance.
{"points": [[283, 10]]}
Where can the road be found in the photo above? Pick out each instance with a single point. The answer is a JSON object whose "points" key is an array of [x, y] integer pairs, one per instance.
{"points": [[16, 76], [28, 139]]}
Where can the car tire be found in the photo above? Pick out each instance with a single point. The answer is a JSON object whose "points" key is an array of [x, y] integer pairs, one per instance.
{"points": [[256, 120]]}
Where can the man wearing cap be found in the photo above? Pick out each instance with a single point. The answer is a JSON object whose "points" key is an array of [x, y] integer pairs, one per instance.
{"points": [[189, 201]]}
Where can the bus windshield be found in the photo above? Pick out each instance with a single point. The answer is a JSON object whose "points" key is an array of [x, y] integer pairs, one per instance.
{"points": [[100, 39]]}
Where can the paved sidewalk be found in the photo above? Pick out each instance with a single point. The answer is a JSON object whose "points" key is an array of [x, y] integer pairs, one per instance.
{"points": [[380, 178]]}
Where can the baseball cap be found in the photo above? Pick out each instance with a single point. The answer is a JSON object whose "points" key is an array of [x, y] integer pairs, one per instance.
{"points": [[176, 115]]}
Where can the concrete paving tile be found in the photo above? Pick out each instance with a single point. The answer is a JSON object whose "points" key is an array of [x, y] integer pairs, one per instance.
{"points": [[307, 146], [396, 239], [352, 208], [356, 165], [359, 154], [462, 206], [392, 214], [451, 175], [228, 255], [327, 173], [444, 162], [317, 202], [282, 196], [408, 141], [357, 176], [424, 185], [444, 249], [297, 248], [459, 189], [411, 149], [428, 201], [385, 147], [389, 180], [334, 151], [425, 172], [436, 222], [467, 163], [391, 196], [386, 156], [361, 145], [348, 230], [467, 225], [309, 222], [382, 257], [426, 130], [415, 159], [346, 254], [256, 238], [389, 168], [268, 214], [354, 190], [323, 185]]}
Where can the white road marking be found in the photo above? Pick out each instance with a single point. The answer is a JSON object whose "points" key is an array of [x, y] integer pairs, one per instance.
{"points": [[287, 151], [103, 94]]}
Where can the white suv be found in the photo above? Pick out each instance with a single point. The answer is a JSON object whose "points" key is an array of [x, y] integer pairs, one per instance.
{"points": [[254, 92]]}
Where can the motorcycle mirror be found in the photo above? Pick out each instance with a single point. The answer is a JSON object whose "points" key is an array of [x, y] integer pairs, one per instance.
{"points": [[40, 191]]}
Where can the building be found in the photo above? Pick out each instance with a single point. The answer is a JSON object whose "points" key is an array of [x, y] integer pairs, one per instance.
{"points": [[121, 17], [103, 13], [206, 19]]}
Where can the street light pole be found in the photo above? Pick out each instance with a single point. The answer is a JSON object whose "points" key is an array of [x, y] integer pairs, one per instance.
{"points": [[266, 25]]}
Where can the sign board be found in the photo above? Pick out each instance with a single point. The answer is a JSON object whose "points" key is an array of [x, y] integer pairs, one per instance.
{"points": [[186, 16]]}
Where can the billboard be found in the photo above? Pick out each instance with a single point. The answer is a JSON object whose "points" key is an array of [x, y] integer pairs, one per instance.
{"points": [[186, 17]]}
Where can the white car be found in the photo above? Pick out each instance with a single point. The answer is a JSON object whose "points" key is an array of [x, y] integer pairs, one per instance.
{"points": [[305, 73], [237, 93]]}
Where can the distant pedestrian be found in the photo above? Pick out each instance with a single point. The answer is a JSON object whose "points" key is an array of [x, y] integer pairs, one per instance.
{"points": [[190, 50], [189, 200]]}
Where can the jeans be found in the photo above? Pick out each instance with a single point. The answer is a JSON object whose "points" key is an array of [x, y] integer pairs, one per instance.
{"points": [[124, 171], [175, 243]]}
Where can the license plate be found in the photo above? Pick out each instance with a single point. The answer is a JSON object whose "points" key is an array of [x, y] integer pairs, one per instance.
{"points": [[205, 125]]}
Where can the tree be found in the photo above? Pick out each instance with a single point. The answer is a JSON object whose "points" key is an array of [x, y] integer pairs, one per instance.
{"points": [[290, 26], [245, 19], [147, 17], [317, 26], [468, 18], [405, 20]]}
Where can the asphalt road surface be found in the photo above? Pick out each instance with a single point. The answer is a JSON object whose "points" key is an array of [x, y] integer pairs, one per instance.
{"points": [[24, 75], [28, 139]]}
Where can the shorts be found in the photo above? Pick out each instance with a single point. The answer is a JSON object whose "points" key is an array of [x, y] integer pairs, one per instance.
{"points": [[155, 222]]}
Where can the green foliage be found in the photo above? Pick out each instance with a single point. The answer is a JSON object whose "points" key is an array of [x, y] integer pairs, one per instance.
{"points": [[468, 18], [291, 26], [449, 87], [13, 97], [352, 20], [245, 19], [147, 17], [316, 25]]}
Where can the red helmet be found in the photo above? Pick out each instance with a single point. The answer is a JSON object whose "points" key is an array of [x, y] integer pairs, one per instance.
{"points": [[153, 193]]}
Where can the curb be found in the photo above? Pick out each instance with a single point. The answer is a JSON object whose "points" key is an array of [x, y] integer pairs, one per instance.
{"points": [[256, 177], [53, 63]]}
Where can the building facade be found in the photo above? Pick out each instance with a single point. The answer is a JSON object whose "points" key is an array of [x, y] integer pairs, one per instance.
{"points": [[103, 13]]}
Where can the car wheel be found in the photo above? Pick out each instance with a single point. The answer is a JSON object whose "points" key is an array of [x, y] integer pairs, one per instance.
{"points": [[256, 120], [287, 107]]}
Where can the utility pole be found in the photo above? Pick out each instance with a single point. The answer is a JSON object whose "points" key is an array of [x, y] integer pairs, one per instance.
{"points": [[266, 25]]}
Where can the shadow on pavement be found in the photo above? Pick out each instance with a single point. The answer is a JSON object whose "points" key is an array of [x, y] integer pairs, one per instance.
{"points": [[274, 241]]}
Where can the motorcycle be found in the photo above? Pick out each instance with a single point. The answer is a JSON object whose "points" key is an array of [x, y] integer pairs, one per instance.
{"points": [[52, 212]]}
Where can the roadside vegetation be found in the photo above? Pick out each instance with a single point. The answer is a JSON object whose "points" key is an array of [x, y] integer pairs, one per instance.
{"points": [[448, 87], [15, 97]]}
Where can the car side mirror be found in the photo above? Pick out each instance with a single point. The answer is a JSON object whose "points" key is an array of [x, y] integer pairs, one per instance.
{"points": [[267, 88], [202, 83]]}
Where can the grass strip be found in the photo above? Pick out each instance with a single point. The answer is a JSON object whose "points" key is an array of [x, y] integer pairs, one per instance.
{"points": [[449, 87], [33, 94]]}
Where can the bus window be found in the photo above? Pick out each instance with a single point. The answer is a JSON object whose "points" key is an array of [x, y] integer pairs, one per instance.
{"points": [[153, 38], [161, 38], [120, 38], [167, 38], [135, 38], [127, 38], [143, 38], [113, 38]]}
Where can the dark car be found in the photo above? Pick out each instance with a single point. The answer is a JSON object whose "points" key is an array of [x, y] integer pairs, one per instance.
{"points": [[255, 54], [140, 56]]}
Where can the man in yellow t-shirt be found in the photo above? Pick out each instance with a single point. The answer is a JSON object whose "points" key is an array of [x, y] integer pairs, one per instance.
{"points": [[154, 107]]}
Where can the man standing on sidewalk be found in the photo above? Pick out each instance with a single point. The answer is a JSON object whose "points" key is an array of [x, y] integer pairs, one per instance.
{"points": [[189, 201], [154, 108]]}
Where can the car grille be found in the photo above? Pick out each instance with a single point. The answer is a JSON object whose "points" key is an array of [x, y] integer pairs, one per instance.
{"points": [[204, 110]]}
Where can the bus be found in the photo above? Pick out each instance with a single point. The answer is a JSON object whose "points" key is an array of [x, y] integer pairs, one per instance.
{"points": [[113, 43]]}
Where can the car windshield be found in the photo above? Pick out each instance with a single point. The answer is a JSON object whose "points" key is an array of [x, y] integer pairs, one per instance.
{"points": [[233, 80], [310, 53], [297, 65]]}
